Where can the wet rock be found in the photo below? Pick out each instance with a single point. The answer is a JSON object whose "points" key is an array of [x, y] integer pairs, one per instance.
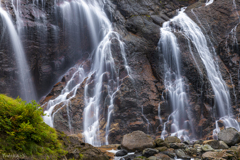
{"points": [[161, 149], [121, 153], [172, 139], [230, 136], [170, 152], [79, 150], [181, 154], [137, 140], [197, 146], [207, 148], [162, 156], [149, 152], [160, 143], [215, 144], [191, 151], [152, 158], [219, 155], [178, 145], [129, 157]]}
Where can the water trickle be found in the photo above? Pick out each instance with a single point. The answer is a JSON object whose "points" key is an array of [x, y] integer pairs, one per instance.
{"points": [[148, 123], [27, 91], [208, 2]]}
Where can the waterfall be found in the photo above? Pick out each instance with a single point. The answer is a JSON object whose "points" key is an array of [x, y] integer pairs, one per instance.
{"points": [[103, 75], [27, 91], [173, 82]]}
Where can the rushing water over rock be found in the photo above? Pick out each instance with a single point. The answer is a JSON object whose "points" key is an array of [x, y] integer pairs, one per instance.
{"points": [[27, 91], [174, 82], [102, 80], [188, 28]]}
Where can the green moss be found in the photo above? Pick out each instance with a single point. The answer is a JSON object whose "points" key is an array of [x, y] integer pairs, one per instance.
{"points": [[23, 131]]}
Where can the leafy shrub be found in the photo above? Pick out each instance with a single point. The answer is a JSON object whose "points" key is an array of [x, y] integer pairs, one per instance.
{"points": [[22, 129]]}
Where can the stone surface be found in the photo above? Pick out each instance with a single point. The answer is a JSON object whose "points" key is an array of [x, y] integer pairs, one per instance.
{"points": [[77, 149], [148, 152], [121, 153], [162, 156], [137, 140], [206, 148], [181, 154], [215, 144], [161, 149], [230, 136], [160, 143], [172, 139]]}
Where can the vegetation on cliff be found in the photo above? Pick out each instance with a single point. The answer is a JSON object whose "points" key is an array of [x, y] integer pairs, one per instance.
{"points": [[24, 134], [23, 131]]}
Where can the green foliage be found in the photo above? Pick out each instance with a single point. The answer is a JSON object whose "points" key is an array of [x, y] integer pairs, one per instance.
{"points": [[22, 129]]}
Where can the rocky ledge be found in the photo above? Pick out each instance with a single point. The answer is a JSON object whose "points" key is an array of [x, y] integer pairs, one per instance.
{"points": [[143, 147]]}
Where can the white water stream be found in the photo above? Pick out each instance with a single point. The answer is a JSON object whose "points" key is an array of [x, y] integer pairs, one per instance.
{"points": [[27, 91], [173, 80], [103, 73]]}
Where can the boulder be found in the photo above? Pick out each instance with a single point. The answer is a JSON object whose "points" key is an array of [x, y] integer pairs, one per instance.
{"points": [[170, 152], [161, 149], [215, 144], [121, 153], [230, 136], [137, 140], [181, 154], [178, 145], [172, 139], [191, 151], [207, 148], [162, 156], [219, 155], [160, 143], [152, 158], [148, 152]]}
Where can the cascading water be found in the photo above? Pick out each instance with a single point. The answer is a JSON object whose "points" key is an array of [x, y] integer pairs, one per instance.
{"points": [[209, 2], [174, 83], [103, 75], [192, 31], [27, 91]]}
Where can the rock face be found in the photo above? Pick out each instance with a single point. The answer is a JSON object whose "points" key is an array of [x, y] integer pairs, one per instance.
{"points": [[230, 136], [137, 140]]}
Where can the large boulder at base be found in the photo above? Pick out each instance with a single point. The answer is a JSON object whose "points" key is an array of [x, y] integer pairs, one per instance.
{"points": [[230, 136], [215, 144], [137, 140], [172, 139]]}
